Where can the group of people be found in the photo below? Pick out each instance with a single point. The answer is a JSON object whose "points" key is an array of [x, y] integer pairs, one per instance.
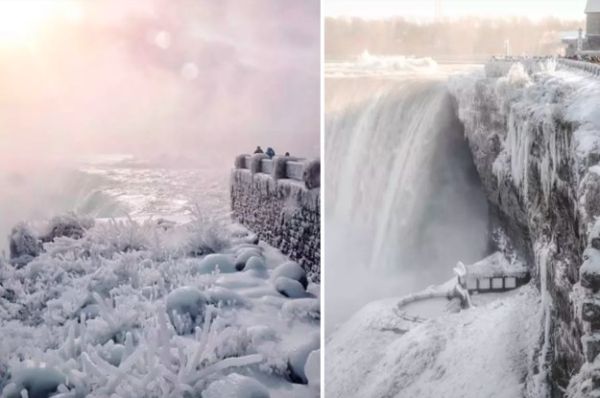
{"points": [[270, 152]]}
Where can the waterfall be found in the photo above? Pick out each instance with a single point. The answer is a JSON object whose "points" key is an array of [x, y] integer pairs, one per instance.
{"points": [[403, 199]]}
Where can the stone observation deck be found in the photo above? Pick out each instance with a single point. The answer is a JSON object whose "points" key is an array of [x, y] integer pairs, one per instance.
{"points": [[279, 199]]}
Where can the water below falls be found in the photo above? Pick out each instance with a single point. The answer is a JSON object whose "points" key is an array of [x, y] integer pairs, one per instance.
{"points": [[403, 199]]}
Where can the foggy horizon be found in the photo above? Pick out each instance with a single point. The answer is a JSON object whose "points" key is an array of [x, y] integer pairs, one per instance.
{"points": [[430, 10]]}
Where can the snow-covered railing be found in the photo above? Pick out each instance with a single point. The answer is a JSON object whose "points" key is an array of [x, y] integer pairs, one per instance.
{"points": [[589, 67], [278, 167], [496, 274], [497, 67]]}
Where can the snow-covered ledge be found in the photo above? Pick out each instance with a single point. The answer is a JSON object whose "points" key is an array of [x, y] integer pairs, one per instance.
{"points": [[279, 199]]}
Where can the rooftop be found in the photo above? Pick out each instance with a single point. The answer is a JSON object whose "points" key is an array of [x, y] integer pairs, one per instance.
{"points": [[592, 6]]}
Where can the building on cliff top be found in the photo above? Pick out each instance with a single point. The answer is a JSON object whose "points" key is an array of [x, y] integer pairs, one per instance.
{"points": [[588, 45]]}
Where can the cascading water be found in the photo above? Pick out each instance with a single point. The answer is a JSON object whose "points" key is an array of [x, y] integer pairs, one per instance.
{"points": [[403, 199]]}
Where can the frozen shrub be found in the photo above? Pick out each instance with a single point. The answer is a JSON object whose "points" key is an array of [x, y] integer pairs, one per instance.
{"points": [[24, 245], [68, 225], [212, 262], [185, 308], [235, 385], [291, 270], [220, 296], [38, 382], [207, 235], [304, 309], [289, 287]]}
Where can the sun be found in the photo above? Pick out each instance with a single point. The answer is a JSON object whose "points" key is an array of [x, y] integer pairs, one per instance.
{"points": [[22, 20]]}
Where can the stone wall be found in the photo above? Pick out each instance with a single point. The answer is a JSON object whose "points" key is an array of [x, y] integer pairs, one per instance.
{"points": [[538, 165], [279, 199]]}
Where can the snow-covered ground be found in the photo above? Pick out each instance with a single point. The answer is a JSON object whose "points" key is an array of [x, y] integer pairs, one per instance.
{"points": [[143, 306], [484, 351]]}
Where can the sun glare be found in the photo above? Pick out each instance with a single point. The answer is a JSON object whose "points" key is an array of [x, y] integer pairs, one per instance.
{"points": [[21, 20]]}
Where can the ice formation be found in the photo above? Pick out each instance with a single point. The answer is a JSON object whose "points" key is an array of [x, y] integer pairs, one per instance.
{"points": [[129, 309]]}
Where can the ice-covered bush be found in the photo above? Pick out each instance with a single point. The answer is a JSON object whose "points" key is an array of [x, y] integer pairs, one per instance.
{"points": [[185, 306], [68, 225], [220, 296], [207, 235], [123, 311], [24, 244]]}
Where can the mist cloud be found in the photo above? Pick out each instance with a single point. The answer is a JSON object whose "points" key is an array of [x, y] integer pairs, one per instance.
{"points": [[185, 79]]}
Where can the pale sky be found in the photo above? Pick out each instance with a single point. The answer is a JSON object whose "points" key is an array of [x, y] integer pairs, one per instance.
{"points": [[159, 77], [425, 9]]}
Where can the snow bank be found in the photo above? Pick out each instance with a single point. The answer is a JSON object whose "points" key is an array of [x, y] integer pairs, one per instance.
{"points": [[480, 352]]}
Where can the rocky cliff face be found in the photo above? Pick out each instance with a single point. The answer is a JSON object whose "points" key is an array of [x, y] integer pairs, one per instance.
{"points": [[535, 140]]}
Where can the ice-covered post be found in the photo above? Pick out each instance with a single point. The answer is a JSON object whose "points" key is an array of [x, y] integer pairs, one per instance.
{"points": [[460, 289]]}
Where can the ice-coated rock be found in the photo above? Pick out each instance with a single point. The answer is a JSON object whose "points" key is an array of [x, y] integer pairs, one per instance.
{"points": [[256, 264], [289, 287], [236, 386], [243, 256], [291, 270], [114, 353], [185, 307], [39, 383], [298, 357], [312, 369], [212, 262]]}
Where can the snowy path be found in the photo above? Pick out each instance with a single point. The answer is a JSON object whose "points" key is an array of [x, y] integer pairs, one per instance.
{"points": [[481, 352]]}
